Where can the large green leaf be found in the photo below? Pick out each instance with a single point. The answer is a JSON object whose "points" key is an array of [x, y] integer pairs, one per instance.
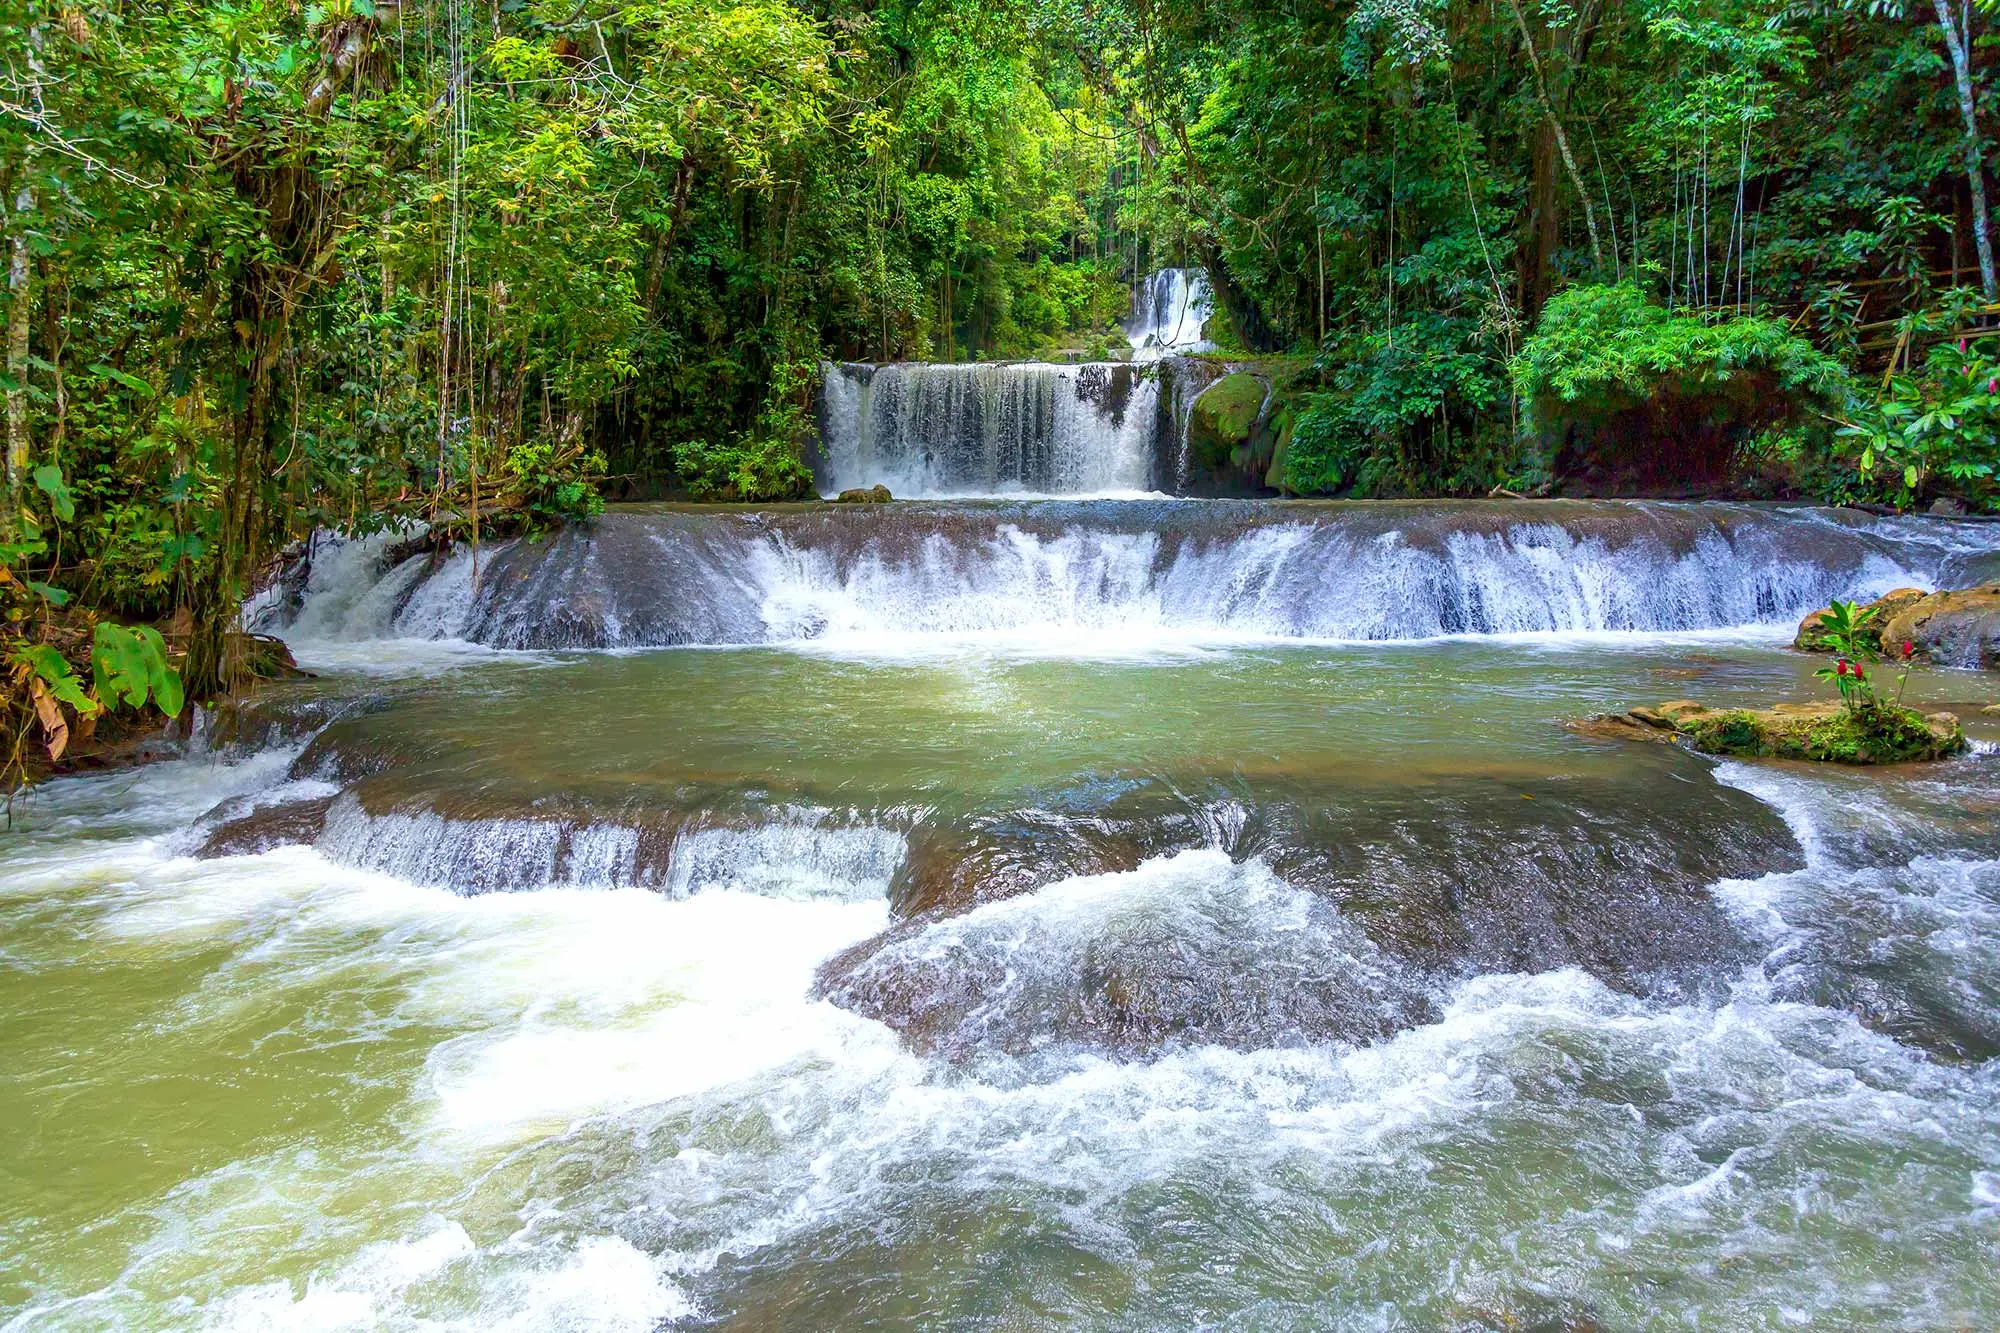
{"points": [[49, 478], [53, 669]]}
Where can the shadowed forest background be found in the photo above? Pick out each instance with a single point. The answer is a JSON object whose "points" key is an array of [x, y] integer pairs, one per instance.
{"points": [[275, 266]]}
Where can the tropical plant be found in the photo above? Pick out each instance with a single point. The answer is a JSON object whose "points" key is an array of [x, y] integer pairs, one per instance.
{"points": [[1846, 633], [1938, 428]]}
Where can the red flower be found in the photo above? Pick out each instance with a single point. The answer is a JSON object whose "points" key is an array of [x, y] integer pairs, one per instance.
{"points": [[1993, 385], [1909, 649], [1961, 347], [1840, 667]]}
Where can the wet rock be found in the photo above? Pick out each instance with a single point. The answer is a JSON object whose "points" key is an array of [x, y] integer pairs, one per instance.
{"points": [[1302, 914], [951, 869], [1951, 629], [1639, 724], [1973, 569], [1811, 637], [864, 495], [1611, 878], [262, 828], [1188, 949], [1223, 425]]}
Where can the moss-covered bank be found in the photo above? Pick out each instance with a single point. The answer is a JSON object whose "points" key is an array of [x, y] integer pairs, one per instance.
{"points": [[1830, 733]]}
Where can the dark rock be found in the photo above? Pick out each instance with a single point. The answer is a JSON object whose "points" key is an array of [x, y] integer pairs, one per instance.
{"points": [[868, 495], [247, 832]]}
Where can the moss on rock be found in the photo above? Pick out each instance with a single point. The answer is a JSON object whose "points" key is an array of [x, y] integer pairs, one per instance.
{"points": [[1225, 417], [1821, 732]]}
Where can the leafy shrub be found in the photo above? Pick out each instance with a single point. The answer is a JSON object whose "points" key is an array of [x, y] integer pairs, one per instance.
{"points": [[1612, 381], [748, 470], [767, 463], [552, 482], [1402, 414], [1936, 429]]}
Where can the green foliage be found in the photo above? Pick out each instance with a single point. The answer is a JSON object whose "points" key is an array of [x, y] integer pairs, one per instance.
{"points": [[549, 483], [1602, 350], [129, 667], [1404, 416], [748, 470], [1852, 637], [52, 669], [1936, 429]]}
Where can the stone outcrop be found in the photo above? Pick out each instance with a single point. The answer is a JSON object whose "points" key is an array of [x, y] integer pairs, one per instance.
{"points": [[1947, 629], [1811, 638], [1824, 732], [877, 494], [1951, 629]]}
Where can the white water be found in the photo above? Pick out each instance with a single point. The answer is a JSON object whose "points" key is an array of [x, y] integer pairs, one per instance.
{"points": [[1015, 428], [1169, 309], [626, 1097], [1093, 585]]}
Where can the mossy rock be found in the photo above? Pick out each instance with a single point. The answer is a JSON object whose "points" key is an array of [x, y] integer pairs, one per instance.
{"points": [[1824, 733], [1828, 733], [1225, 417]]}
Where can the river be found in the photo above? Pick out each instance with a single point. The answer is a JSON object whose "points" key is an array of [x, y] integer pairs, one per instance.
{"points": [[1020, 914]]}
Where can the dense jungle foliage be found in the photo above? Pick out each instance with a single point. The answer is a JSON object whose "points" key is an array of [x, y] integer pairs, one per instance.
{"points": [[275, 265]]}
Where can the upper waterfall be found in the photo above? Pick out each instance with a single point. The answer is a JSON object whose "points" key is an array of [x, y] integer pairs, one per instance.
{"points": [[930, 430], [1169, 309], [996, 428]]}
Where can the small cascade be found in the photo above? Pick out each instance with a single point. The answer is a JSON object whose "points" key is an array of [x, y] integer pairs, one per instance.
{"points": [[1169, 309], [1016, 428], [1125, 571]]}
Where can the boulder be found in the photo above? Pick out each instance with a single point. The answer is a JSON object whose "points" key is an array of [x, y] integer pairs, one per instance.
{"points": [[1224, 419], [877, 494], [1951, 629], [1885, 607]]}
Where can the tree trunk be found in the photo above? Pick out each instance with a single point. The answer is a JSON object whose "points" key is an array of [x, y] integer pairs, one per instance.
{"points": [[1561, 137], [18, 294], [1544, 225], [1975, 167], [1245, 315]]}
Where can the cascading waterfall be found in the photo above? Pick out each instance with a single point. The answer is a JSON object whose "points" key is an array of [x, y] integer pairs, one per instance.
{"points": [[1188, 571], [989, 429], [932, 431], [1169, 309]]}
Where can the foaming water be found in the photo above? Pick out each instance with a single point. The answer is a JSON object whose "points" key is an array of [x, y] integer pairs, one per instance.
{"points": [[620, 1109], [1187, 572]]}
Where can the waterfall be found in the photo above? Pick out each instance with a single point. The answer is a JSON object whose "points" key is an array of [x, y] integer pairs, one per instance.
{"points": [[1168, 311], [927, 430], [1133, 571]]}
